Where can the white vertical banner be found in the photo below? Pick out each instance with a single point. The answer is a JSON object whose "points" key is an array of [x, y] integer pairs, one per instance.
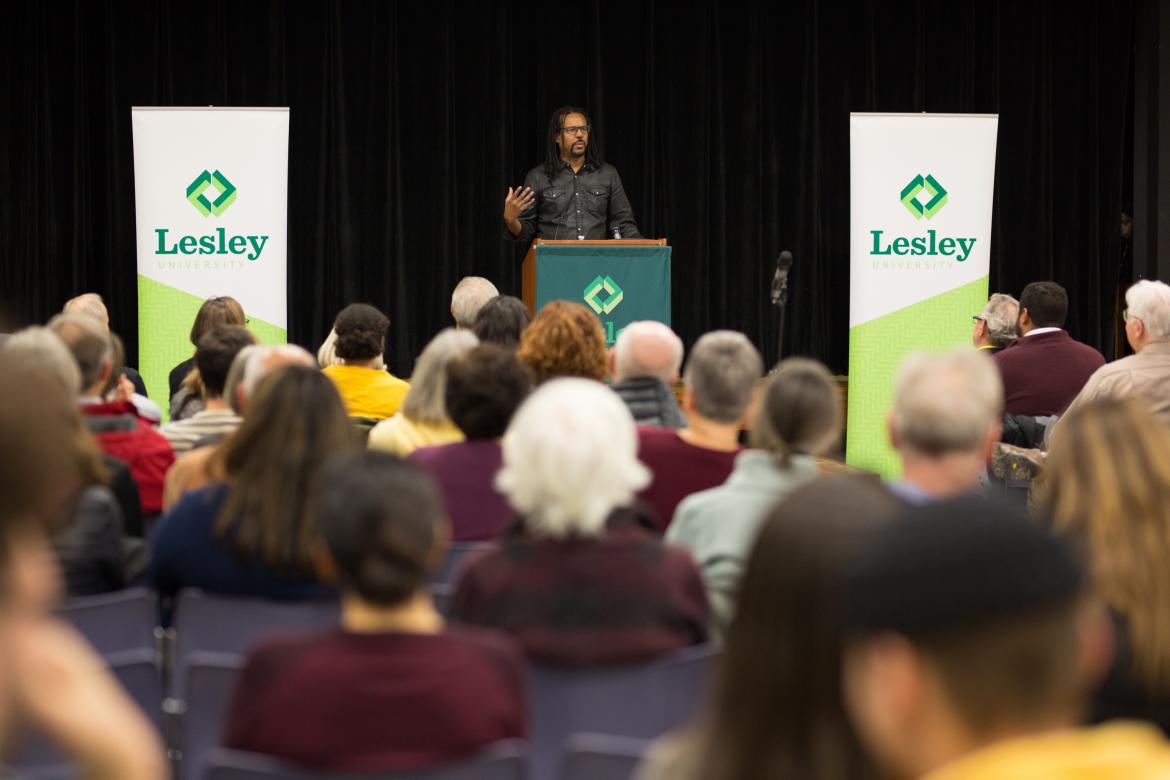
{"points": [[211, 201], [921, 188]]}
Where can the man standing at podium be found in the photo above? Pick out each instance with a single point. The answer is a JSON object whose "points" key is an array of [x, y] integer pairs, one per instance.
{"points": [[574, 194]]}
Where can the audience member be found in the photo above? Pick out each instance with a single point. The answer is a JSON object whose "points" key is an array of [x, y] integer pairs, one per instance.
{"points": [[799, 417], [88, 537], [423, 420], [1147, 373], [253, 534], [1045, 368], [720, 385], [645, 362], [393, 688], [327, 354], [501, 321], [119, 388], [217, 349], [484, 389], [776, 710], [368, 392], [469, 298], [565, 340], [969, 647], [945, 423], [1106, 485], [572, 587], [51, 680], [220, 310], [93, 305], [996, 326], [198, 467], [119, 429]]}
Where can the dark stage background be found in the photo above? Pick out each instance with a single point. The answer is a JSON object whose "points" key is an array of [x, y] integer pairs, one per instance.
{"points": [[728, 123]]}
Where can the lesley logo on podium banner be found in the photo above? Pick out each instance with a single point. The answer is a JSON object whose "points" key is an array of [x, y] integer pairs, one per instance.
{"points": [[920, 231], [211, 195]]}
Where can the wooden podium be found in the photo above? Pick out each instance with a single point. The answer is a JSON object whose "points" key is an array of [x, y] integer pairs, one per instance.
{"points": [[632, 275]]}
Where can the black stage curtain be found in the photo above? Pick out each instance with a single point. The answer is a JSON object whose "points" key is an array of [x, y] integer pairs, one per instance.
{"points": [[728, 122]]}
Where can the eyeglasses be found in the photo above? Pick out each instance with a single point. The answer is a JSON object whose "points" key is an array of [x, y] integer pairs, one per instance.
{"points": [[977, 318], [574, 129]]}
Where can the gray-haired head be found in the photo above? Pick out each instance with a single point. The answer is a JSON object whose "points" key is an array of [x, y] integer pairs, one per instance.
{"points": [[424, 402], [945, 402], [90, 304], [469, 297], [253, 363], [722, 373], [1149, 301], [1001, 317], [647, 349], [89, 341], [42, 349]]}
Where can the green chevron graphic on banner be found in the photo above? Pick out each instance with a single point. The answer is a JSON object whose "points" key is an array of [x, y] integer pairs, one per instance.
{"points": [[878, 347], [205, 180], [909, 195], [614, 293]]}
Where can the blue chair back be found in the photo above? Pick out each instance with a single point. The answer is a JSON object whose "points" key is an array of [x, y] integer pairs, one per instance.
{"points": [[114, 622], [457, 553], [223, 624], [204, 683], [502, 761], [642, 700], [602, 757]]}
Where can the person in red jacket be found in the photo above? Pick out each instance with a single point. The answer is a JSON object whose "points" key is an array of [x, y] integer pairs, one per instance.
{"points": [[1045, 368], [119, 429]]}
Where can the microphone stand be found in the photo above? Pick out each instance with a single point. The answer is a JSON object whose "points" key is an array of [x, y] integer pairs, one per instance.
{"points": [[780, 298]]}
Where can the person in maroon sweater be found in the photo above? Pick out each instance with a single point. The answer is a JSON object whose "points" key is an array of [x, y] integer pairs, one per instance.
{"points": [[580, 581], [484, 387], [720, 381], [1045, 368], [120, 430], [393, 688]]}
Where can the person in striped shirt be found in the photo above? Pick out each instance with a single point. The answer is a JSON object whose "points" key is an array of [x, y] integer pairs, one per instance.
{"points": [[217, 349]]}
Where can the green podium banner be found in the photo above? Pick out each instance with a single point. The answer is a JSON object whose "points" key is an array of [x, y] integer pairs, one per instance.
{"points": [[620, 283]]}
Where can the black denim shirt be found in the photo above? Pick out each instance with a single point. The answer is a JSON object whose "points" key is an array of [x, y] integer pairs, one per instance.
{"points": [[590, 204]]}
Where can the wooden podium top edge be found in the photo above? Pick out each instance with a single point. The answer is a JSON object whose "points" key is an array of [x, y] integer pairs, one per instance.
{"points": [[603, 242]]}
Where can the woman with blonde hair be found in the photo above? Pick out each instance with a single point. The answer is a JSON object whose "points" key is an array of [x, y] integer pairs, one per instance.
{"points": [[1106, 484], [423, 420]]}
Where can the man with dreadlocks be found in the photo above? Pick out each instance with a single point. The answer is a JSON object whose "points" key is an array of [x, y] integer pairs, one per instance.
{"points": [[574, 194]]}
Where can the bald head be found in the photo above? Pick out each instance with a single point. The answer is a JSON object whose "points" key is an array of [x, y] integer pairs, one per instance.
{"points": [[91, 305], [254, 363], [647, 349]]}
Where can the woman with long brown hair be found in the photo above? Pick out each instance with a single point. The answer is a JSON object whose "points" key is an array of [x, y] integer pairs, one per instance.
{"points": [[1106, 484], [253, 534], [777, 710]]}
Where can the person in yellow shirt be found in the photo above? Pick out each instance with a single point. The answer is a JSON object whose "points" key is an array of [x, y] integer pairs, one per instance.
{"points": [[423, 420], [972, 645], [367, 391]]}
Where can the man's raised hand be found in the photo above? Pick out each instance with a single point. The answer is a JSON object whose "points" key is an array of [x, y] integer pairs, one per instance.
{"points": [[516, 203]]}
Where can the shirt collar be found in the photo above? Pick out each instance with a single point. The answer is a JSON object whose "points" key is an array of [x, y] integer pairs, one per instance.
{"points": [[1038, 331]]}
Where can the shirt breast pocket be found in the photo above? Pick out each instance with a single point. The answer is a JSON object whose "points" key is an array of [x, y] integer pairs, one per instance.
{"points": [[597, 197]]}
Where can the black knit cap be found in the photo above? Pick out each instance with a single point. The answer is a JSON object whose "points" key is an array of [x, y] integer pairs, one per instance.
{"points": [[956, 563]]}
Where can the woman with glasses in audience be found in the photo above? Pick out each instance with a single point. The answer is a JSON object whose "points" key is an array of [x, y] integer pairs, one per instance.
{"points": [[423, 420], [254, 533], [186, 390], [1106, 484], [777, 709], [580, 580]]}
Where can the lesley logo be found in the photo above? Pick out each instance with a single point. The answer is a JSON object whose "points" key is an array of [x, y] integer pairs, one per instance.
{"points": [[613, 292], [929, 244], [218, 242], [203, 182]]}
